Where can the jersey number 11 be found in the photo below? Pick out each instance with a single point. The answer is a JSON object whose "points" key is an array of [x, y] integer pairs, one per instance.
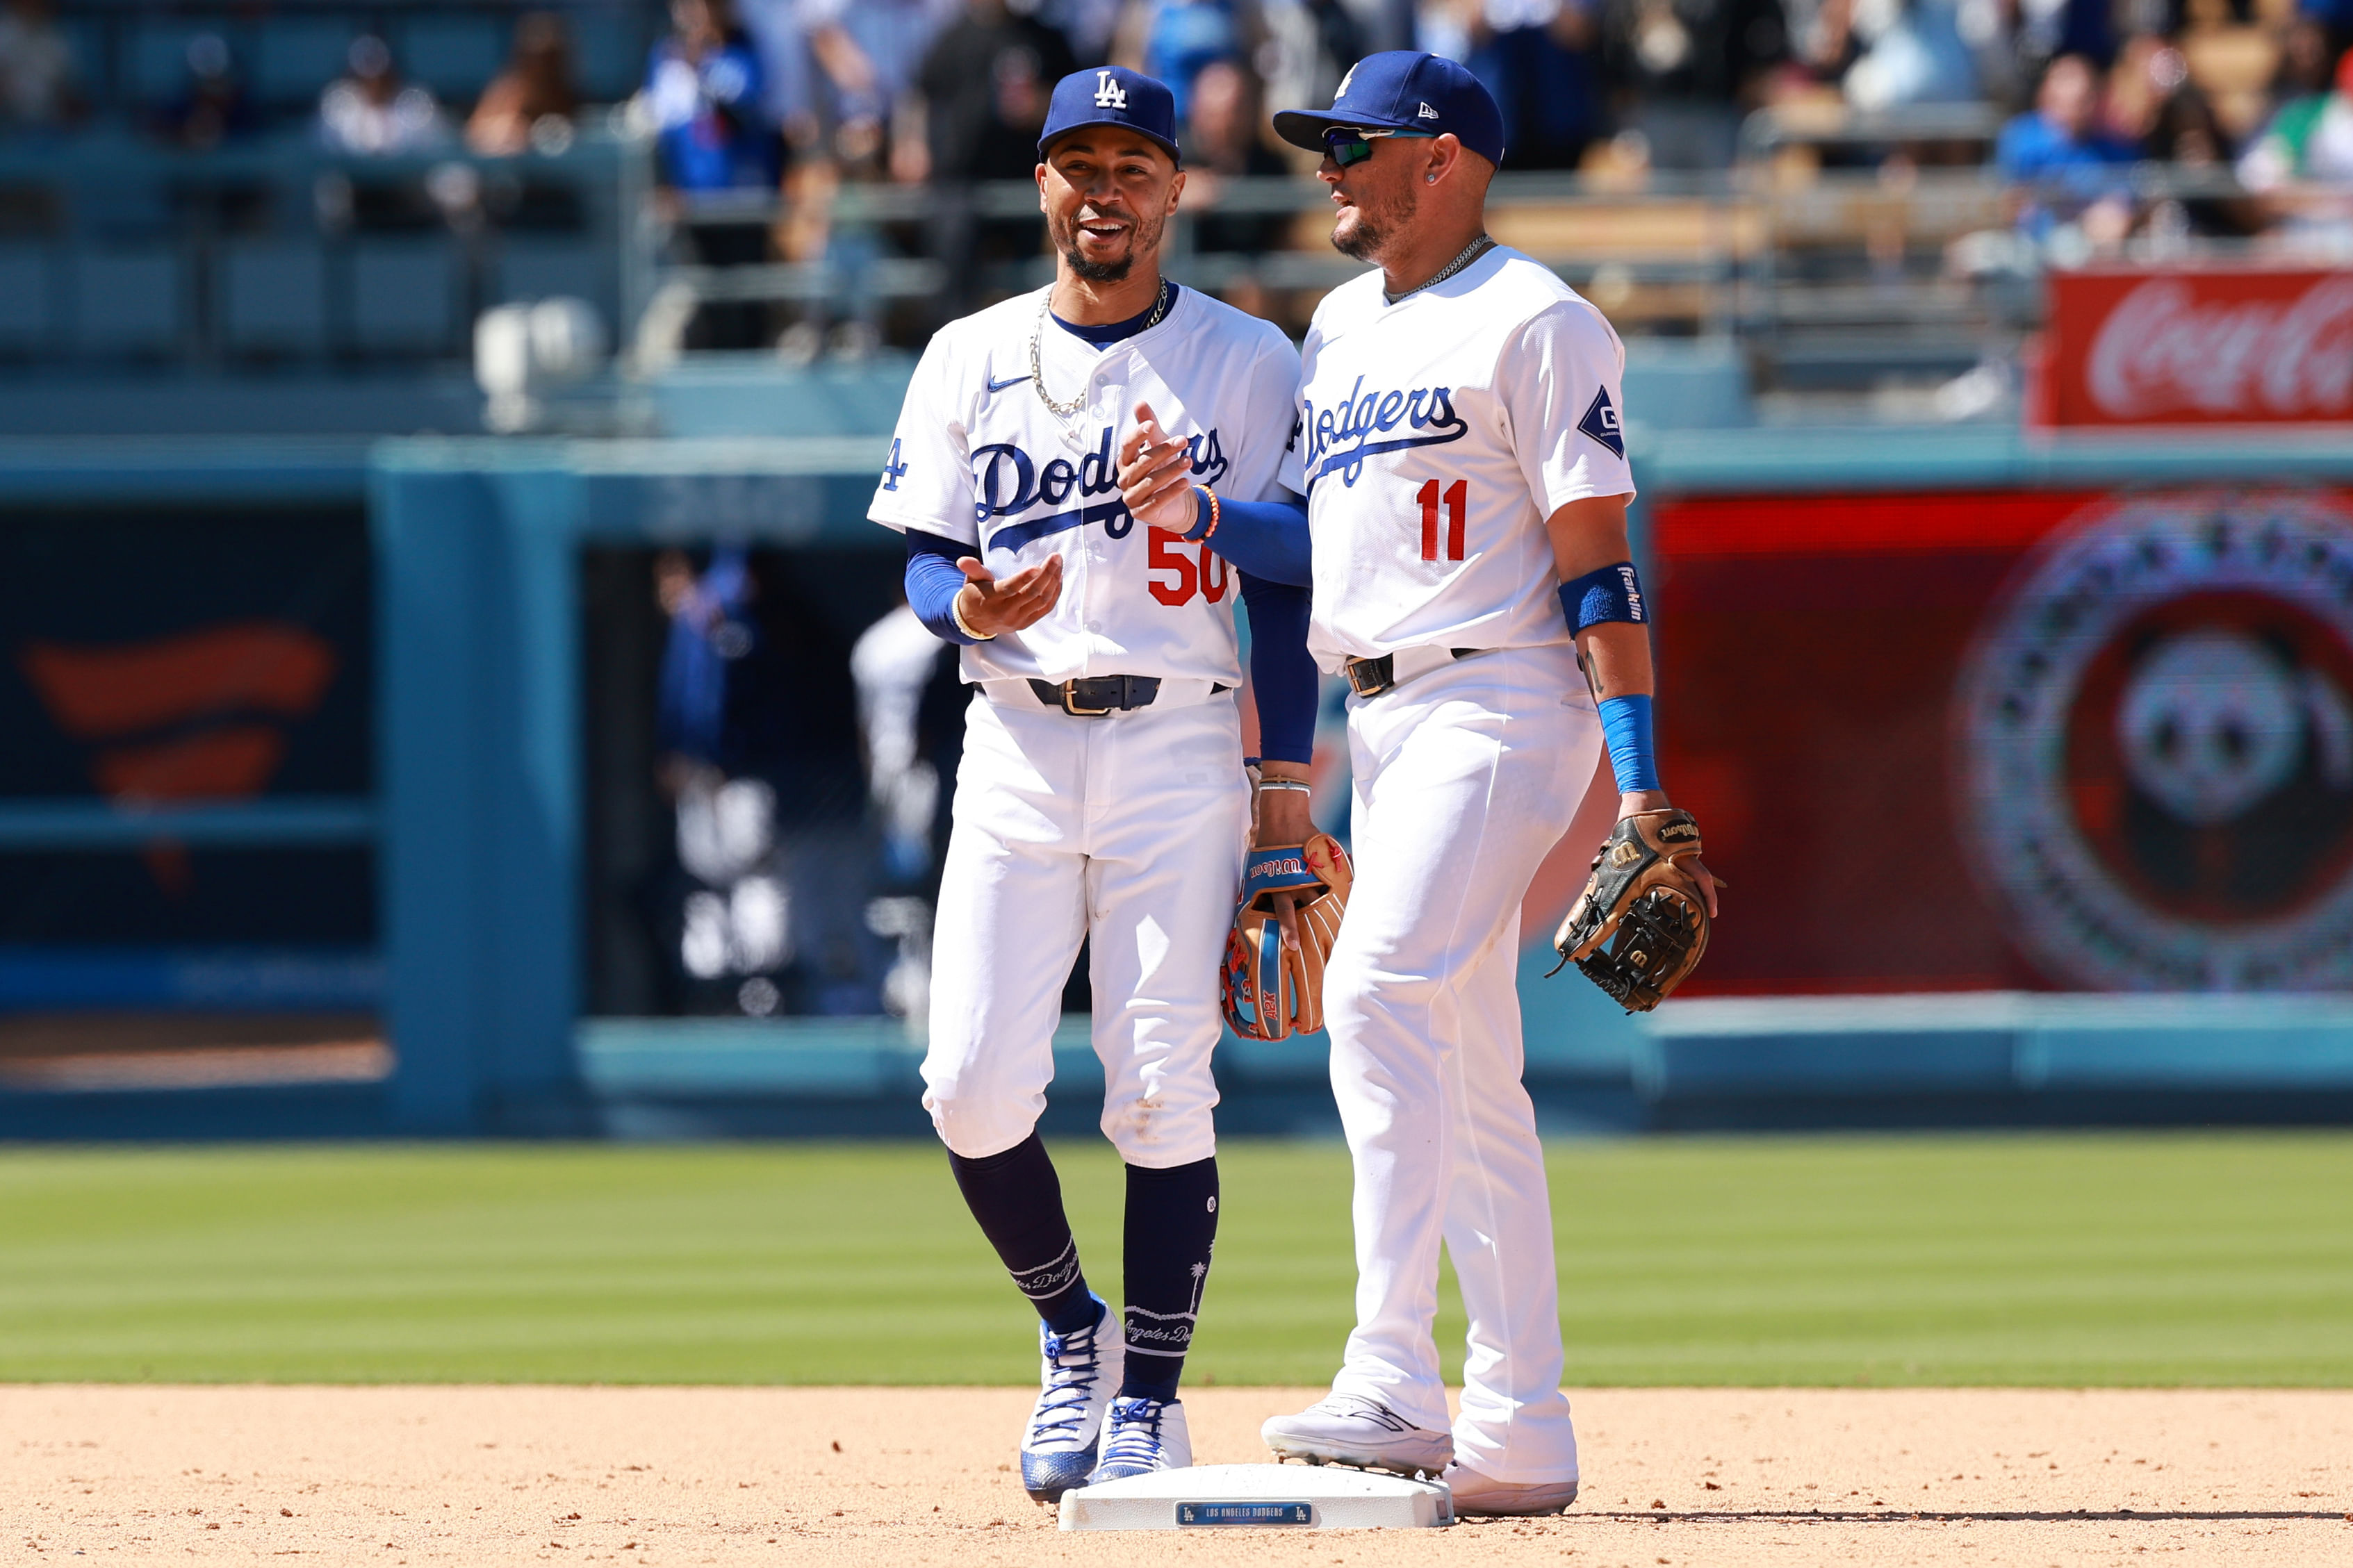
{"points": [[1458, 502]]}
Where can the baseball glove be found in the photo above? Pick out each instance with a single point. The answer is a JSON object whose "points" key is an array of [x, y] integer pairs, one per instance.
{"points": [[1267, 990], [1640, 925]]}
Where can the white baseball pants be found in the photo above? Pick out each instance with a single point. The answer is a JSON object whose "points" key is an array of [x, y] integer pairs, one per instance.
{"points": [[1129, 828], [1466, 777]]}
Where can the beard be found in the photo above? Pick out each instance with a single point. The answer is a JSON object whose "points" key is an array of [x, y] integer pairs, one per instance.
{"points": [[1143, 238], [1378, 222]]}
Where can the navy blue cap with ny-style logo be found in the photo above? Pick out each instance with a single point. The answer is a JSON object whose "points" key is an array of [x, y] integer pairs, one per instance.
{"points": [[1112, 95], [1403, 89]]}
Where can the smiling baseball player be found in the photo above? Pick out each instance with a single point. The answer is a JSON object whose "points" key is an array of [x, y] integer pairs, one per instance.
{"points": [[1467, 501], [1103, 792]]}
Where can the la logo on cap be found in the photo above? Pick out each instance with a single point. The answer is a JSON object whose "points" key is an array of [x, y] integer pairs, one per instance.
{"points": [[1109, 94], [1344, 83]]}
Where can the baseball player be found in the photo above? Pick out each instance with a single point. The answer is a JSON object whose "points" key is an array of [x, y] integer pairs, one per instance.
{"points": [[1467, 490], [1102, 793]]}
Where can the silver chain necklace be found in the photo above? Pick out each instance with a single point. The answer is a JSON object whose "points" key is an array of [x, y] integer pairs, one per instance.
{"points": [[1167, 296], [1472, 252]]}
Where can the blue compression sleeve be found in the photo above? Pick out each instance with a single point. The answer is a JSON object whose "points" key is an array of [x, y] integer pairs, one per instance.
{"points": [[1265, 539], [1283, 678], [1625, 727], [933, 582]]}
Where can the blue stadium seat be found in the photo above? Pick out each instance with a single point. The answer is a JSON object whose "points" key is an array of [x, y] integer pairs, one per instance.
{"points": [[273, 296], [294, 58], [127, 301], [456, 55], [404, 295], [535, 269], [609, 53], [155, 60], [24, 298]]}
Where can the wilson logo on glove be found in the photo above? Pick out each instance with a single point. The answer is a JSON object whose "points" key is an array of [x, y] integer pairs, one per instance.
{"points": [[1640, 925], [1267, 990]]}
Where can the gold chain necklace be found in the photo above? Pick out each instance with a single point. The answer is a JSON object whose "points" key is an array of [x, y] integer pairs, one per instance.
{"points": [[1036, 336]]}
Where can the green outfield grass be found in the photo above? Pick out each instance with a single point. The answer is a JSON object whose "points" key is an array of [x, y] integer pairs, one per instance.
{"points": [[2067, 1261]]}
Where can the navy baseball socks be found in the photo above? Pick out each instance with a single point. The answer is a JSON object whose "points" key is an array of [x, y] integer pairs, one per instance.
{"points": [[1113, 1394], [1172, 1226]]}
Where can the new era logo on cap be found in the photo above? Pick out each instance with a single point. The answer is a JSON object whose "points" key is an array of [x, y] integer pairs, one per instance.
{"points": [[1428, 113]]}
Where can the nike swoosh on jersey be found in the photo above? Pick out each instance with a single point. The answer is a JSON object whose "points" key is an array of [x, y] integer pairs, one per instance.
{"points": [[995, 386], [1354, 456]]}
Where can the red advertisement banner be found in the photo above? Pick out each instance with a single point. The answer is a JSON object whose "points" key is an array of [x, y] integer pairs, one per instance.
{"points": [[2015, 740], [2200, 346]]}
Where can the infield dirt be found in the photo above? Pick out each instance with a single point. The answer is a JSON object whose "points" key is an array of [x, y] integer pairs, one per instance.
{"points": [[884, 1476]]}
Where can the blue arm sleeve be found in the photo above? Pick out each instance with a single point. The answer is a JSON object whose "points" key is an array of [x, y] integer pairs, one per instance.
{"points": [[1625, 728], [1265, 539], [933, 582], [1283, 678]]}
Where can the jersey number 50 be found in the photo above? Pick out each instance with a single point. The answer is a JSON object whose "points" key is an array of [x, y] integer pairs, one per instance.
{"points": [[1457, 496], [1168, 554]]}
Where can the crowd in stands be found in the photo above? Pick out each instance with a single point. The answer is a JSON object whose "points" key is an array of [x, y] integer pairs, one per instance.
{"points": [[807, 94], [912, 89]]}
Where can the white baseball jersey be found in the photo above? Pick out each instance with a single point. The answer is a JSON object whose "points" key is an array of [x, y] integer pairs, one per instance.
{"points": [[979, 458], [1438, 434]]}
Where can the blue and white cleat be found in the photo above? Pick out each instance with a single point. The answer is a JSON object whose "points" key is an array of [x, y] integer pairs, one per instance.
{"points": [[1080, 1372], [1143, 1436]]}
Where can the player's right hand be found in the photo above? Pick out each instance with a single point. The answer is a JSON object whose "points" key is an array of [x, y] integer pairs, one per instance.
{"points": [[1155, 476], [989, 606]]}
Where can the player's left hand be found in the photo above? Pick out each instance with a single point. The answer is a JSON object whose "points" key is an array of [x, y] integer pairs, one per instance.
{"points": [[1282, 818], [1704, 883], [1155, 476]]}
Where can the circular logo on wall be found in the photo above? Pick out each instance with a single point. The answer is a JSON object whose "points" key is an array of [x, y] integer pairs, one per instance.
{"points": [[2156, 733]]}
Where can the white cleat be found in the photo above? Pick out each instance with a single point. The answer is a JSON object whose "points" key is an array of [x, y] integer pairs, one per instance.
{"points": [[1079, 1374], [1481, 1497], [1142, 1437], [1350, 1430]]}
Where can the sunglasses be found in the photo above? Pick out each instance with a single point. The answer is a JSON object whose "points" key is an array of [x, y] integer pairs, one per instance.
{"points": [[1350, 148]]}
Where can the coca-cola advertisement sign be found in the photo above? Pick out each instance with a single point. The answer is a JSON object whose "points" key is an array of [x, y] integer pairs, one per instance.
{"points": [[2204, 346]]}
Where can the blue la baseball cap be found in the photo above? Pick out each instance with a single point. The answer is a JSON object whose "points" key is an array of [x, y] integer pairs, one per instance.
{"points": [[1112, 95], [1403, 89]]}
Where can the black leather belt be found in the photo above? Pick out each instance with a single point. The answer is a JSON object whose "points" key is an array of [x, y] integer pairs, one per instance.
{"points": [[1371, 677], [1097, 695]]}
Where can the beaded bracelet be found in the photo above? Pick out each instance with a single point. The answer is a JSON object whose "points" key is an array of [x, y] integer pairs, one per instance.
{"points": [[1211, 533]]}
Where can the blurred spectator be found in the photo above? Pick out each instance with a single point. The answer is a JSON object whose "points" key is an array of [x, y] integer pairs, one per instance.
{"points": [[1537, 57], [1914, 53], [2310, 141], [1222, 143], [212, 106], [1174, 39], [2070, 161], [533, 101], [981, 98], [781, 39], [870, 52], [1691, 68], [979, 102], [1309, 46], [702, 91], [37, 82], [2336, 17], [368, 111]]}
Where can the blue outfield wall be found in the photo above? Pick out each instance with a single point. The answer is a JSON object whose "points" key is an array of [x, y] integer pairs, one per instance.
{"points": [[477, 819], [478, 545]]}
